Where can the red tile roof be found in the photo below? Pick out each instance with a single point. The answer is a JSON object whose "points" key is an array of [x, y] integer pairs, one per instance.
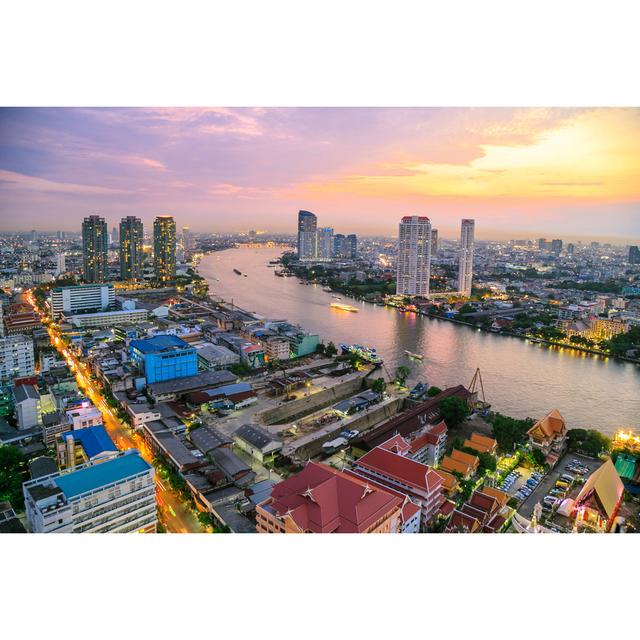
{"points": [[408, 471], [321, 499], [396, 444]]}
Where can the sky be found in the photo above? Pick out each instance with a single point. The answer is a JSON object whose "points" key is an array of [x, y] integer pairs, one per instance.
{"points": [[519, 172]]}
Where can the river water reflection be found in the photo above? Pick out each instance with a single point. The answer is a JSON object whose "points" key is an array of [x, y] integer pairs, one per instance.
{"points": [[520, 378]]}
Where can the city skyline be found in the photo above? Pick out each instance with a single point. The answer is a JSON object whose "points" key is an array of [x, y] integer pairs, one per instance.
{"points": [[523, 172]]}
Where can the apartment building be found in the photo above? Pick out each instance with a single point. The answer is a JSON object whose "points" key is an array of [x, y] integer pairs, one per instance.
{"points": [[112, 496]]}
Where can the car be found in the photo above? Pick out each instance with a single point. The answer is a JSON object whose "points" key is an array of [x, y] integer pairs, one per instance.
{"points": [[532, 482], [567, 478], [562, 485]]}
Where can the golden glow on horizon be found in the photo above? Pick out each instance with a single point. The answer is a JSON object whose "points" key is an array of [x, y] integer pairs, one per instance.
{"points": [[594, 155]]}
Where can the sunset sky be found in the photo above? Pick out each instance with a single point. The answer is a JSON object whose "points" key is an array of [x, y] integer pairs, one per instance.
{"points": [[518, 172]]}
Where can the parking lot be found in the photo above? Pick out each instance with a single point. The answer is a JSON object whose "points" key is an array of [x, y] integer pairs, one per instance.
{"points": [[549, 481]]}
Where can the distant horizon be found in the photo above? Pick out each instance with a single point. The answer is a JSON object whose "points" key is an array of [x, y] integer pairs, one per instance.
{"points": [[519, 172], [514, 235]]}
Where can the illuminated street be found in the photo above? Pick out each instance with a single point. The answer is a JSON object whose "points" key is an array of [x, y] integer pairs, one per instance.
{"points": [[175, 515]]}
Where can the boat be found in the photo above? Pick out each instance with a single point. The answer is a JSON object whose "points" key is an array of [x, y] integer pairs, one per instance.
{"points": [[344, 307], [327, 289], [337, 297], [238, 273], [416, 356], [369, 354]]}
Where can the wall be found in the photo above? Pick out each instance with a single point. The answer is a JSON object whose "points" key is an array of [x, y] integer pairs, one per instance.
{"points": [[288, 411]]}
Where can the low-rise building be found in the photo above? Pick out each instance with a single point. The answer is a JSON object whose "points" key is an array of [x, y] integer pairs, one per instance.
{"points": [[400, 473], [549, 435], [596, 506], [112, 496], [215, 356], [429, 446], [74, 448], [108, 318], [256, 441], [481, 444], [321, 499], [26, 400]]}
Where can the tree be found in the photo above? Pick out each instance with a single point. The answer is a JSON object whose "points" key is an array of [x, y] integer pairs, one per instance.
{"points": [[12, 470], [487, 462], [330, 350], [466, 488], [454, 411], [402, 373], [595, 443], [509, 431], [379, 385], [537, 458], [433, 391]]}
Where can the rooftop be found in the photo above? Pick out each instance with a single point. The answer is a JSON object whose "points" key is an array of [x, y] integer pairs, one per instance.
{"points": [[256, 436], [94, 440], [99, 475], [160, 344]]}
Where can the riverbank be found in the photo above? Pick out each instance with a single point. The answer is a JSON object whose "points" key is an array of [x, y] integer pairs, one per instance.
{"points": [[379, 301], [520, 381]]}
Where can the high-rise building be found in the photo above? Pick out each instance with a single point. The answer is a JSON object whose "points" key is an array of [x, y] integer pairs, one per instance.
{"points": [[556, 246], [325, 243], [414, 256], [434, 242], [187, 240], [465, 264], [543, 244], [164, 249], [634, 255], [307, 236], [34, 235], [595, 245], [94, 249], [571, 248], [61, 264], [131, 234], [116, 495], [352, 245], [16, 357], [115, 236], [82, 299]]}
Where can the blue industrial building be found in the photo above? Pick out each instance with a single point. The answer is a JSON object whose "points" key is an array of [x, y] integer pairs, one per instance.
{"points": [[164, 358]]}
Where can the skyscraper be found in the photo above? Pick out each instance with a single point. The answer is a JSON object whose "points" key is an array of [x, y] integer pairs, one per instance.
{"points": [[634, 255], [542, 244], [571, 248], [307, 236], [556, 246], [465, 264], [95, 238], [325, 243], [164, 249], [186, 239], [131, 234], [434, 242], [414, 256], [115, 238], [352, 246]]}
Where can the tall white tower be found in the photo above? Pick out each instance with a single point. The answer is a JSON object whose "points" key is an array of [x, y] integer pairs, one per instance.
{"points": [[414, 256], [465, 265]]}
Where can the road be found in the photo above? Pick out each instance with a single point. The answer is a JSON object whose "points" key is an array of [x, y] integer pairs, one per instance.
{"points": [[177, 517]]}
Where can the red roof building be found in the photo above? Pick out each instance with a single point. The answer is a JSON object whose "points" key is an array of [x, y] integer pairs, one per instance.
{"points": [[404, 475], [321, 499], [430, 446]]}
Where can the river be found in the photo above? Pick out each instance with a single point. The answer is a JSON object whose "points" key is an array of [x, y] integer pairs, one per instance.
{"points": [[520, 378]]}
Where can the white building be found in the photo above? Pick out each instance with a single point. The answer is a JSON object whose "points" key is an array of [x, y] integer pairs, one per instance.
{"points": [[414, 256], [84, 415], [61, 264], [16, 357], [307, 236], [109, 318], [112, 496], [26, 399], [82, 299], [325, 243], [465, 264]]}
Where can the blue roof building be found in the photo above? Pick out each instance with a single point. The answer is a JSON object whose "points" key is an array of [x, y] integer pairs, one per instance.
{"points": [[100, 475], [164, 357], [95, 441]]}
